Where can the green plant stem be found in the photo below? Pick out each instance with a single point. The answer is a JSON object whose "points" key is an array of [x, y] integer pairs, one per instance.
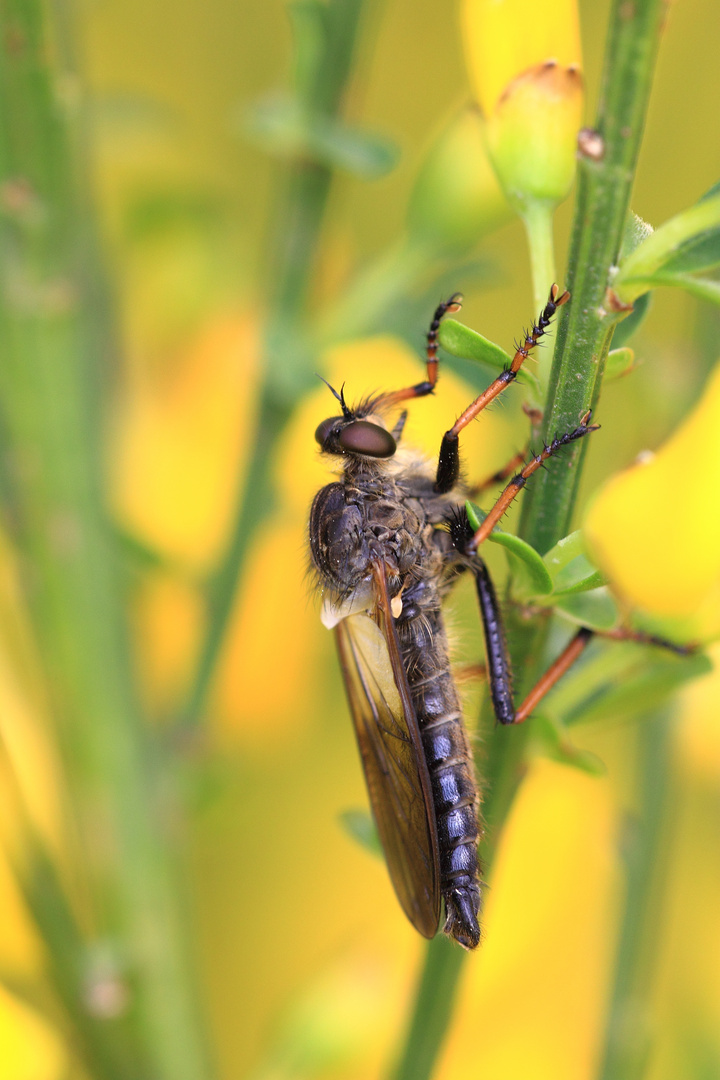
{"points": [[294, 245], [434, 1004], [582, 344], [538, 221], [121, 876], [586, 326], [629, 1030]]}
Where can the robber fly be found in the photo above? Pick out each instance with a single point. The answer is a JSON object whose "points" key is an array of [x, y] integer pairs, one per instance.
{"points": [[388, 540]]}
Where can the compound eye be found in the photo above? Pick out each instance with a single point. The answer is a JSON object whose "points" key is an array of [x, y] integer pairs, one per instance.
{"points": [[362, 437], [323, 430]]}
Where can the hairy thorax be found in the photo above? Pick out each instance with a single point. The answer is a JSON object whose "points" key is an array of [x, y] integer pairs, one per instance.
{"points": [[380, 512]]}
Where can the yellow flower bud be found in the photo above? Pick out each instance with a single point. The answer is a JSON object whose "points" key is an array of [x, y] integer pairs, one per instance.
{"points": [[524, 62], [532, 134], [655, 529], [457, 198]]}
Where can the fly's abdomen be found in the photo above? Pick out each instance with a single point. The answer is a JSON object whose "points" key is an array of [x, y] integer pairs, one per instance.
{"points": [[449, 760]]}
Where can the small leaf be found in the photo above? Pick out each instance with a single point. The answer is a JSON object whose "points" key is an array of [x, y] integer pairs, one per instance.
{"points": [[595, 609], [686, 244], [578, 576], [361, 153], [526, 565], [594, 580], [555, 745], [625, 329], [702, 288], [641, 690], [701, 252], [635, 233], [530, 574], [619, 362], [284, 128], [461, 341], [360, 826], [714, 190], [564, 552]]}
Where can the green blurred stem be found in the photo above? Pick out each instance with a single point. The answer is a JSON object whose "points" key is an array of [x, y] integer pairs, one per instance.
{"points": [[586, 326], [538, 221], [583, 340], [55, 345], [434, 1005], [293, 245], [629, 1030]]}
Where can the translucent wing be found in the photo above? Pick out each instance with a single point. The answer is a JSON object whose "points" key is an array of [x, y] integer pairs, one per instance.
{"points": [[395, 770]]}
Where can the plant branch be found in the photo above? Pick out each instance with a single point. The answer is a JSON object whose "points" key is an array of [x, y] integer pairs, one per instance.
{"points": [[294, 245], [628, 1034], [606, 172], [53, 352], [582, 344]]}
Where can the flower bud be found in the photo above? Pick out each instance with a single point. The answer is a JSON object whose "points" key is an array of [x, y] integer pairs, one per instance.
{"points": [[457, 198], [524, 62]]}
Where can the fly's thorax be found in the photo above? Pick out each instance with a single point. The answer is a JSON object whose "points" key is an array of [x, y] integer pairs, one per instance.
{"points": [[352, 523]]}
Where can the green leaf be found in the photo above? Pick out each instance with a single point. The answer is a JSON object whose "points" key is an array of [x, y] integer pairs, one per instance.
{"points": [[644, 687], [360, 826], [635, 233], [686, 244], [714, 190], [352, 150], [578, 576], [595, 609], [619, 362], [702, 288], [625, 329], [461, 341], [284, 128], [701, 252], [530, 575], [564, 552], [555, 745]]}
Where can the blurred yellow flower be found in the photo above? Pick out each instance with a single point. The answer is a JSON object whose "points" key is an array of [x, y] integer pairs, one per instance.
{"points": [[524, 60], [168, 616], [654, 530], [30, 1048], [533, 999], [179, 444], [699, 735]]}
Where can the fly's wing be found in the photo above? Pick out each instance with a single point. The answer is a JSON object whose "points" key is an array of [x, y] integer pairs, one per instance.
{"points": [[395, 770]]}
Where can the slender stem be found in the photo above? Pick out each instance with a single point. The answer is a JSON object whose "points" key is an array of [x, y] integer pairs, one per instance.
{"points": [[629, 1036], [586, 326], [53, 351], [538, 220], [583, 341], [434, 1003], [294, 246]]}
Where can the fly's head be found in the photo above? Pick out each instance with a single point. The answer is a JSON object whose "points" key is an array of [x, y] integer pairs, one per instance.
{"points": [[353, 435]]}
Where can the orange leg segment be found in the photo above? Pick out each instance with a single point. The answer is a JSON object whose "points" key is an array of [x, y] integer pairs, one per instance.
{"points": [[518, 482]]}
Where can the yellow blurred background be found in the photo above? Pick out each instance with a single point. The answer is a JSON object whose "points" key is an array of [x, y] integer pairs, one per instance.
{"points": [[307, 966]]}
